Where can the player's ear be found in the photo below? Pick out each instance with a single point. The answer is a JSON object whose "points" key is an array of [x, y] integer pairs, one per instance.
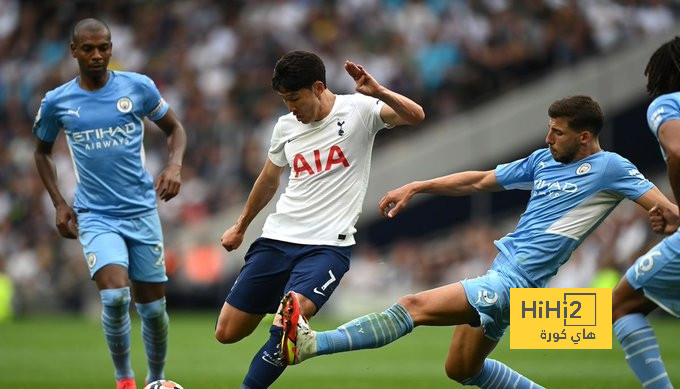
{"points": [[318, 88], [586, 136], [73, 49]]}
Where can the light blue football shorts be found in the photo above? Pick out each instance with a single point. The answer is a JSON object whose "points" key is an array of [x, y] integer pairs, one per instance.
{"points": [[490, 296], [135, 243], [657, 273]]}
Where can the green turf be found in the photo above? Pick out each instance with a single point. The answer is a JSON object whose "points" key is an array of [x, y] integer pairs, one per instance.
{"points": [[68, 352]]}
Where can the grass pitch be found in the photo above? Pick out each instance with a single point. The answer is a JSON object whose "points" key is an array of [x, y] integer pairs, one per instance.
{"points": [[69, 352]]}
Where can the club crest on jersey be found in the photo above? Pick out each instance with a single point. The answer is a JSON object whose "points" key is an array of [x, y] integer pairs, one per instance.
{"points": [[124, 104], [91, 260], [341, 132], [583, 169]]}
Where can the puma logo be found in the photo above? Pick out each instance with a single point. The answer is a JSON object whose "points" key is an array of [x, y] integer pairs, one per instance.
{"points": [[73, 112]]}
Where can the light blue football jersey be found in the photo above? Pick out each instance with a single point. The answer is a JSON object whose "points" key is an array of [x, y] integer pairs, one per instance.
{"points": [[663, 108], [567, 202], [105, 132]]}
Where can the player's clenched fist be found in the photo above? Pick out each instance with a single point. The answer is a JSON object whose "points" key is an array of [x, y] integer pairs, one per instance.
{"points": [[366, 84], [232, 238], [664, 220]]}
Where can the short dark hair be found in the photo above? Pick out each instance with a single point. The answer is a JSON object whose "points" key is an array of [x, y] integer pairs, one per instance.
{"points": [[89, 24], [663, 69], [297, 70], [582, 113]]}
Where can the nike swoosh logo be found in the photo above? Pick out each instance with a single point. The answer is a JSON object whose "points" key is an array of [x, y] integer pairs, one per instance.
{"points": [[267, 358], [317, 291]]}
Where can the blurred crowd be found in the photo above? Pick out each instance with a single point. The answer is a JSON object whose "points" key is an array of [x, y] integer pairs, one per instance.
{"points": [[212, 61]]}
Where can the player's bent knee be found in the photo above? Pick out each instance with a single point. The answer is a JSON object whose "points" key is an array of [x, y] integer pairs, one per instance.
{"points": [[151, 309], [234, 325], [618, 312], [626, 301], [460, 371], [115, 297], [460, 366], [227, 336], [410, 301], [232, 331], [223, 338]]}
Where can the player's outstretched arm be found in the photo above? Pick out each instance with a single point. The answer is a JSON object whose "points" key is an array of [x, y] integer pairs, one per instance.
{"points": [[263, 190], [66, 220], [170, 179], [456, 184], [663, 214], [398, 109]]}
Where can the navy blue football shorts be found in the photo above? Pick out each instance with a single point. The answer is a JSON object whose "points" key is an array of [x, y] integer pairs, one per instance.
{"points": [[272, 268]]}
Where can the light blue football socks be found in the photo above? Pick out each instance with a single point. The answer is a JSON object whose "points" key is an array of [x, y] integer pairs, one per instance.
{"points": [[370, 331], [378, 329], [155, 336], [116, 325], [642, 351], [497, 375]]}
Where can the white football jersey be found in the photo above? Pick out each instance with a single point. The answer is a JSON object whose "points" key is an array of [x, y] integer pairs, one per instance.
{"points": [[329, 164]]}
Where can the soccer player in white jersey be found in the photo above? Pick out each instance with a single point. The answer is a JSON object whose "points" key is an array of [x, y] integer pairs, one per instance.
{"points": [[574, 185], [326, 139], [654, 279], [114, 212]]}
